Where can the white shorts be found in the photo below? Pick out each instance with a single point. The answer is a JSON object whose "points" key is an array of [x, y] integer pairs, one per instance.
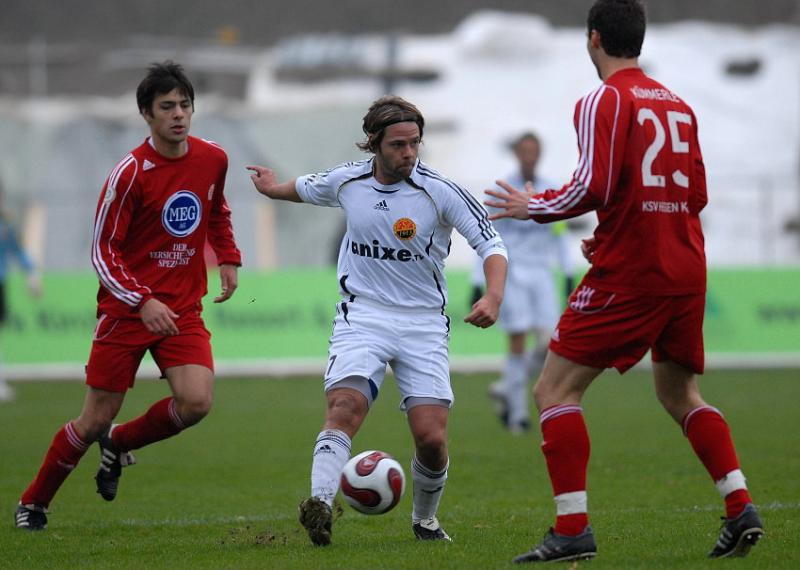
{"points": [[367, 336], [529, 301]]}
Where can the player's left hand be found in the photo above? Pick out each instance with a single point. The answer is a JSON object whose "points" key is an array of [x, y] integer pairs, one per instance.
{"points": [[229, 278], [484, 312], [513, 203]]}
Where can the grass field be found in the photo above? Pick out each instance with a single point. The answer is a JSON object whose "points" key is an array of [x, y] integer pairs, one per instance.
{"points": [[225, 493]]}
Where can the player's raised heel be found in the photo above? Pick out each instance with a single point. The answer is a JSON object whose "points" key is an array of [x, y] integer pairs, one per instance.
{"points": [[30, 517], [561, 548], [317, 518], [738, 535], [112, 460], [430, 529]]}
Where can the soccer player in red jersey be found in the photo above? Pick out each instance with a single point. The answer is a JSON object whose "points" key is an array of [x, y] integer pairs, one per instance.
{"points": [[641, 170], [156, 210]]}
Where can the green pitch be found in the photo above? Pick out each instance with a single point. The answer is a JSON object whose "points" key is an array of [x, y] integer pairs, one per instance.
{"points": [[225, 493]]}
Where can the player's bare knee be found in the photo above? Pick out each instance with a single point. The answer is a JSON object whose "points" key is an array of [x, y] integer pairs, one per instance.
{"points": [[194, 409], [346, 406], [431, 447], [91, 427], [542, 395], [346, 410]]}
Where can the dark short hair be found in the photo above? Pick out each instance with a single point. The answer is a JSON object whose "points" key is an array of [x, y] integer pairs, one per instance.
{"points": [[621, 24], [386, 111], [162, 78], [526, 136]]}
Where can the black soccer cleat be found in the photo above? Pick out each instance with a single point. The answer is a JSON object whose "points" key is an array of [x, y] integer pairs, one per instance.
{"points": [[430, 529], [561, 548], [738, 535], [30, 517], [317, 518], [112, 460]]}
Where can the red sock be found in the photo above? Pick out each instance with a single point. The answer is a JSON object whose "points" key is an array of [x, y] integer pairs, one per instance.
{"points": [[566, 449], [711, 440], [63, 455], [159, 422]]}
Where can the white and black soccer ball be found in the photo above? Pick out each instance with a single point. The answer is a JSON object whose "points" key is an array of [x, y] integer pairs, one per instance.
{"points": [[373, 482]]}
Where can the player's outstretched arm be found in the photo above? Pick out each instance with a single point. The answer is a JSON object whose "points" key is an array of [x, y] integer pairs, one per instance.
{"points": [[229, 279], [267, 184], [512, 203]]}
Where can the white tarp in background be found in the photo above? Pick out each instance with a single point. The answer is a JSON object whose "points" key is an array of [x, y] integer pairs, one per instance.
{"points": [[497, 74]]}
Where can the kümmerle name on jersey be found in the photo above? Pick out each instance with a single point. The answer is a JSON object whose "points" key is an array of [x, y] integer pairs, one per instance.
{"points": [[381, 252], [654, 94]]}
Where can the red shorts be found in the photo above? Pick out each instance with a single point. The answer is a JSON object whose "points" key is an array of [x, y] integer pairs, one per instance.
{"points": [[120, 344], [606, 330]]}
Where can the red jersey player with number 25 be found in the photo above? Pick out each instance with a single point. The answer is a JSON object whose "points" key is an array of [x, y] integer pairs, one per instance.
{"points": [[641, 170], [156, 210]]}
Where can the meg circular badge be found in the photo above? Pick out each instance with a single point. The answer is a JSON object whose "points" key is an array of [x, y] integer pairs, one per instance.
{"points": [[405, 228], [182, 213]]}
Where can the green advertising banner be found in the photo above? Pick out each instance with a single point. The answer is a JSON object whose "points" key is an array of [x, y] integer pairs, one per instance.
{"points": [[287, 315]]}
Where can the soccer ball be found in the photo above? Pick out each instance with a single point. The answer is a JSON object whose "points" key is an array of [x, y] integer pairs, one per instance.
{"points": [[373, 482]]}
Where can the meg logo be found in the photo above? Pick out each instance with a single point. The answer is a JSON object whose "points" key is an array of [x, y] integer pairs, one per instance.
{"points": [[181, 214]]}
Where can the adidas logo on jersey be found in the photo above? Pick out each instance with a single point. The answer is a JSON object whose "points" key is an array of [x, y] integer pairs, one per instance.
{"points": [[147, 165], [382, 205]]}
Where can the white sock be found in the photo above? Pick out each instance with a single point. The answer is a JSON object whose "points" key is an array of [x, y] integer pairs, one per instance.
{"points": [[517, 388], [428, 489], [536, 360], [331, 452]]}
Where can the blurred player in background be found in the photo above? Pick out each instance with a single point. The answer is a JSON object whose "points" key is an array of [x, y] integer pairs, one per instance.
{"points": [[400, 215], [531, 303], [156, 210], [10, 249], [641, 169]]}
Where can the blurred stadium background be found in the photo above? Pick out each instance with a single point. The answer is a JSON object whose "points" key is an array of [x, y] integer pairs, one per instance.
{"points": [[287, 85]]}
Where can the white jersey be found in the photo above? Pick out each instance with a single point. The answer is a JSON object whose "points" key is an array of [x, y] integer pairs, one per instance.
{"points": [[398, 235], [531, 247]]}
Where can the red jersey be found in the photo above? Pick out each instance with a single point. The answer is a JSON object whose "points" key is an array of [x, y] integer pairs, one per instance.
{"points": [[641, 169], [153, 218]]}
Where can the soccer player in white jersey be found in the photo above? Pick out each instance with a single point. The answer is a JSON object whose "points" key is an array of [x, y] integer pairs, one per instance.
{"points": [[531, 304], [400, 215]]}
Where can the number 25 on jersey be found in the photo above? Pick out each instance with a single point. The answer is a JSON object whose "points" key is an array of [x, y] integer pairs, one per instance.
{"points": [[679, 146]]}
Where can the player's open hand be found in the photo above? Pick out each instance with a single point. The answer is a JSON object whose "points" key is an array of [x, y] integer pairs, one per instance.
{"points": [[588, 247], [229, 278], [264, 179], [484, 312], [513, 203], [158, 318]]}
